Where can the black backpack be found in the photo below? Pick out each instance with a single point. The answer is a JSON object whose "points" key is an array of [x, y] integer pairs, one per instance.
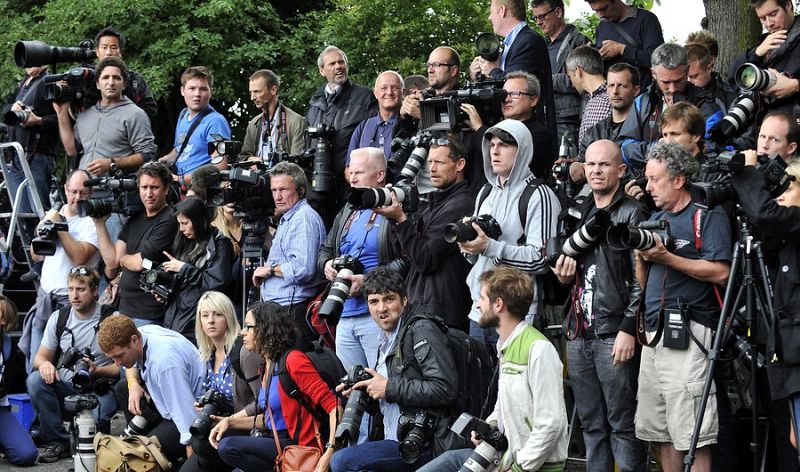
{"points": [[61, 326], [473, 365], [554, 293]]}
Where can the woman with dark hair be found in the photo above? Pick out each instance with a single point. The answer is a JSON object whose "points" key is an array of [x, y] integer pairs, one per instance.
{"points": [[266, 331], [200, 261]]}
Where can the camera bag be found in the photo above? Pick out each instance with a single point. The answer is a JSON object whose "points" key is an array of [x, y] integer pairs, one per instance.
{"points": [[131, 454]]}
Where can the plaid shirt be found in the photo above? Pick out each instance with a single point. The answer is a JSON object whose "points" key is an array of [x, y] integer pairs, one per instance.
{"points": [[597, 109]]}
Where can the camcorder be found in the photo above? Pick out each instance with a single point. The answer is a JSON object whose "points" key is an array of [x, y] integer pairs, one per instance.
{"points": [[357, 403], [75, 360], [224, 148], [462, 231], [415, 432], [581, 240], [247, 189], [642, 236], [442, 112], [345, 266], [711, 194], [211, 403], [158, 281], [123, 199], [362, 198], [76, 86], [322, 178], [46, 240], [494, 442], [409, 155]]}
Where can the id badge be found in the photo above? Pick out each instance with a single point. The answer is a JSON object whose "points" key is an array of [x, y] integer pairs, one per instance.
{"points": [[676, 331]]}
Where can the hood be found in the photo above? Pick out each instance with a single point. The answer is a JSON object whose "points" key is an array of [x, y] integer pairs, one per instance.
{"points": [[521, 169], [125, 101]]}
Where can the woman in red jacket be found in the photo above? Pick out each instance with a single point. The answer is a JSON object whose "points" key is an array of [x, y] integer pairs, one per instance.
{"points": [[267, 331]]}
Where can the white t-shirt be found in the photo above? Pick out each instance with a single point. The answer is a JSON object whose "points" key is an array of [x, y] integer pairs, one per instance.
{"points": [[78, 333], [56, 267]]}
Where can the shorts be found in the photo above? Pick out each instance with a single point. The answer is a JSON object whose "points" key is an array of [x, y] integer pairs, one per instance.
{"points": [[670, 393]]}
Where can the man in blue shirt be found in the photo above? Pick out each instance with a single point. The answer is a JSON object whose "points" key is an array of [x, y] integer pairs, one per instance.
{"points": [[192, 152], [289, 277], [162, 368]]}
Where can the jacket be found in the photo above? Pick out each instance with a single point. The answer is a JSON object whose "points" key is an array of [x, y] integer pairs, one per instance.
{"points": [[291, 140], [780, 229], [502, 203], [616, 291], [41, 139], [437, 279], [567, 99], [423, 376], [530, 401], [603, 129], [193, 281]]}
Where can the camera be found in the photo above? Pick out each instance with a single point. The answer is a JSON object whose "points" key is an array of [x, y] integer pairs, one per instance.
{"points": [[416, 432], [641, 237], [140, 424], [410, 155], [74, 360], [751, 78], [123, 198], [580, 241], [483, 457], [488, 46], [443, 111], [345, 265], [74, 404], [362, 198], [211, 403], [740, 114], [322, 179], [39, 53], [13, 118], [247, 189], [224, 148], [461, 231], [357, 404], [46, 240], [78, 88], [158, 281]]}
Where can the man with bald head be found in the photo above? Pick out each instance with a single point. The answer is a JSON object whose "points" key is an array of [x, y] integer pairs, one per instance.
{"points": [[443, 68], [600, 353]]}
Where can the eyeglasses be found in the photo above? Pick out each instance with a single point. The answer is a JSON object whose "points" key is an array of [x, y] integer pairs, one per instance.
{"points": [[80, 270], [516, 95], [440, 142], [247, 327], [438, 64], [543, 16]]}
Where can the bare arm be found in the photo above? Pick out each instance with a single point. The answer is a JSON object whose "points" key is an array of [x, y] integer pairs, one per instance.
{"points": [[65, 130]]}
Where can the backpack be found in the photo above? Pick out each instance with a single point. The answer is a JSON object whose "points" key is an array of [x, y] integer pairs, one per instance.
{"points": [[134, 453], [474, 365], [235, 359], [61, 325], [553, 292]]}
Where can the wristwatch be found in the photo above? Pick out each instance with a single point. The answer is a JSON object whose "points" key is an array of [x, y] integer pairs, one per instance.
{"points": [[147, 264], [330, 445], [113, 167]]}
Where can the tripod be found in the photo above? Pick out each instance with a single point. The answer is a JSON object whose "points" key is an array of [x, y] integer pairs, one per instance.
{"points": [[753, 299], [84, 430]]}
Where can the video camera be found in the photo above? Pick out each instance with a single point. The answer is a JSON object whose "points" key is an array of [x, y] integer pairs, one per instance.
{"points": [[322, 178], [641, 237], [345, 265], [75, 360], [158, 281], [46, 241], [225, 148], [123, 198], [484, 456], [357, 404], [76, 86], [247, 189], [409, 155], [214, 403], [442, 112], [461, 231], [416, 431], [581, 240]]}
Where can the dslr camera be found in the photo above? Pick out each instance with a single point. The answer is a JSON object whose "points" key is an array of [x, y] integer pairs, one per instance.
{"points": [[75, 360], [357, 404], [211, 403], [322, 179], [416, 431], [123, 198], [484, 456], [641, 237], [461, 231], [362, 198], [158, 281], [46, 240], [581, 240], [409, 155], [13, 118], [140, 424], [345, 266]]}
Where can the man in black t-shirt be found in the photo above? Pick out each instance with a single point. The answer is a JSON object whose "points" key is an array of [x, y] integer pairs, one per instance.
{"points": [[141, 244]]}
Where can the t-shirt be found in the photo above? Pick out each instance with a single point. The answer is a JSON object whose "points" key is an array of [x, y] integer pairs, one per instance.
{"points": [[361, 242], [78, 333], [151, 236], [55, 268], [196, 152], [715, 236]]}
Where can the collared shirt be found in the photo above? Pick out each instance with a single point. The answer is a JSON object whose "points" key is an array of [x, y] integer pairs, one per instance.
{"points": [[597, 109], [294, 248], [268, 134], [391, 411], [508, 41], [373, 132]]}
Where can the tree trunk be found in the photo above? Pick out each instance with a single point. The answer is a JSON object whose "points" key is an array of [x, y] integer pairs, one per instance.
{"points": [[736, 27]]}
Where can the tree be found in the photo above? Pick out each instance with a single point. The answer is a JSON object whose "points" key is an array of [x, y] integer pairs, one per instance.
{"points": [[735, 26]]}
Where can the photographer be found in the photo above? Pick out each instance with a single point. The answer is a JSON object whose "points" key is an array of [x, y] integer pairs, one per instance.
{"points": [[163, 376], [71, 328], [679, 287], [600, 357], [438, 272], [141, 244], [416, 377], [75, 247], [779, 134], [200, 261], [530, 386]]}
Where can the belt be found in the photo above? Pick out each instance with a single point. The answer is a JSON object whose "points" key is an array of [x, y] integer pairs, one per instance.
{"points": [[594, 335]]}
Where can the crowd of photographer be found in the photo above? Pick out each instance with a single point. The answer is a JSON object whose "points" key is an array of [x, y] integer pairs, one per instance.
{"points": [[427, 237]]}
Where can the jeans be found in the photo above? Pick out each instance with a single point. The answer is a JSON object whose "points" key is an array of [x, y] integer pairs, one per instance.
{"points": [[36, 341], [375, 456], [250, 454], [139, 322], [47, 400], [449, 461], [15, 442], [605, 398], [42, 170], [488, 336]]}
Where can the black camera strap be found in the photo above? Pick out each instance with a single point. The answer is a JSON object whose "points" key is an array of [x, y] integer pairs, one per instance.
{"points": [[192, 127]]}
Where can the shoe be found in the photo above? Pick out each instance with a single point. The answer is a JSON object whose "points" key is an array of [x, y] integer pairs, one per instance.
{"points": [[54, 451]]}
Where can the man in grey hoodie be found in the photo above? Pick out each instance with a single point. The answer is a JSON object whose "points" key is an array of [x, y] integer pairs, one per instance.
{"points": [[507, 153]]}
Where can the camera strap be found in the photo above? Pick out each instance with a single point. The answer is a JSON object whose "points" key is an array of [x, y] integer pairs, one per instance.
{"points": [[641, 325], [698, 243], [627, 37], [192, 127]]}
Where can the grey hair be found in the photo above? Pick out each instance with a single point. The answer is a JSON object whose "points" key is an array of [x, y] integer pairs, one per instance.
{"points": [[677, 160], [373, 154], [326, 51], [587, 58], [532, 85], [396, 74], [669, 56], [294, 171]]}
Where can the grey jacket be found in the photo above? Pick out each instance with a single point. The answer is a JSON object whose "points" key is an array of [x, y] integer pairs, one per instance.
{"points": [[568, 100]]}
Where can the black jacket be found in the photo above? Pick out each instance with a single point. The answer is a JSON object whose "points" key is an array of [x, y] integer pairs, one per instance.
{"points": [[615, 288], [780, 229], [42, 139], [437, 279], [603, 129], [215, 274], [423, 376]]}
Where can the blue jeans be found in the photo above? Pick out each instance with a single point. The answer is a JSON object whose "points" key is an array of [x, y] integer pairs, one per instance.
{"points": [[36, 340], [42, 169], [374, 456], [449, 461], [15, 442], [250, 454], [605, 398], [47, 400]]}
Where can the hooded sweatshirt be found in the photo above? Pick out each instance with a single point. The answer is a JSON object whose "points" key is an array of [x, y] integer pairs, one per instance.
{"points": [[503, 204]]}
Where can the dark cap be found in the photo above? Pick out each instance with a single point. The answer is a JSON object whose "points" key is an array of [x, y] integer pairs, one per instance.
{"points": [[501, 134]]}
